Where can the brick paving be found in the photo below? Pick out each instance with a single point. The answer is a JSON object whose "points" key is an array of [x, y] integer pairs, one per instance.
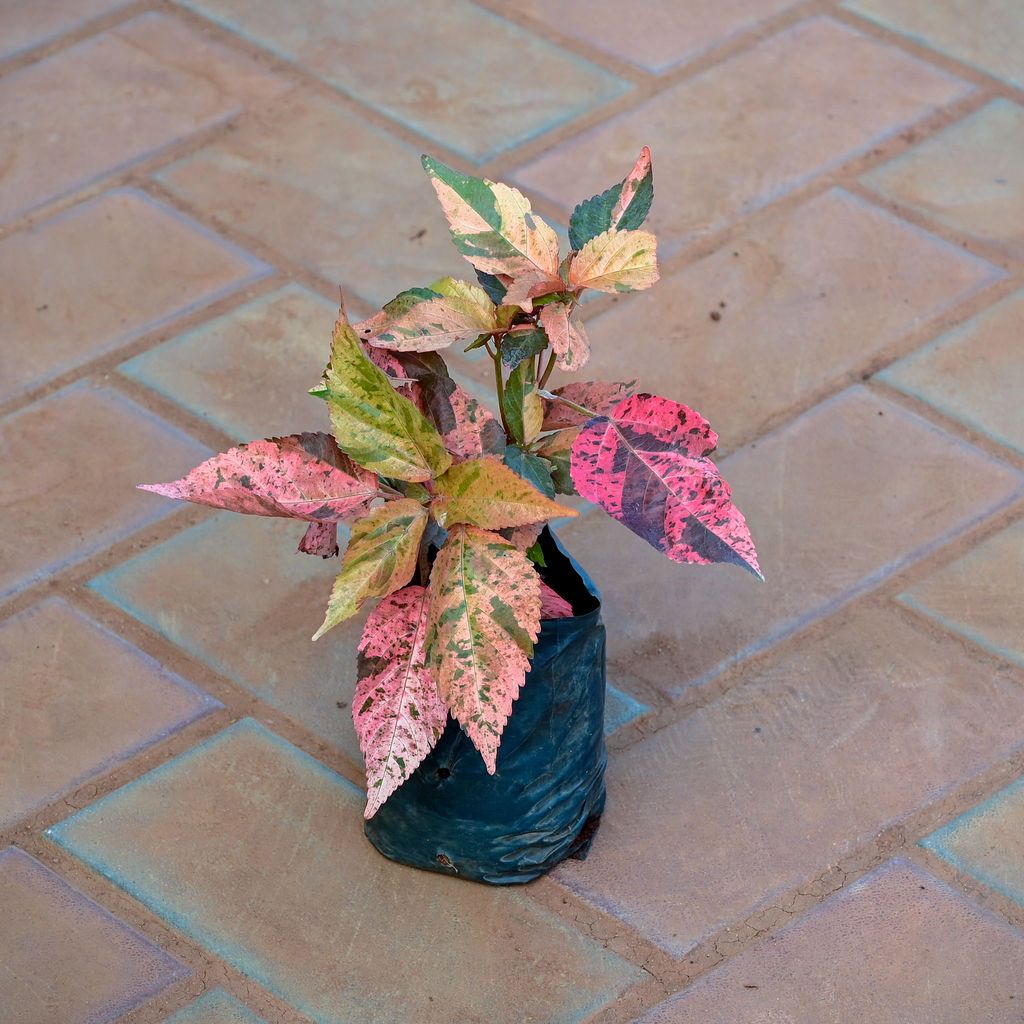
{"points": [[816, 799]]}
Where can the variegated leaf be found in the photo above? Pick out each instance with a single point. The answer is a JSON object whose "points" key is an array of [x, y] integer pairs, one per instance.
{"points": [[467, 427], [645, 464], [397, 712], [552, 605], [523, 537], [376, 426], [623, 206], [616, 261], [524, 408], [320, 539], [302, 476], [556, 448], [522, 344], [598, 397], [380, 558], [486, 493], [484, 619], [449, 312], [493, 226], [535, 470], [568, 340]]}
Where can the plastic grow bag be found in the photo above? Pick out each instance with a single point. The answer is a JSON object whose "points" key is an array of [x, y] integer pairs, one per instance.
{"points": [[543, 803]]}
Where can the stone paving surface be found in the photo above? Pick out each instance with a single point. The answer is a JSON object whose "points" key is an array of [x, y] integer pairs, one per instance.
{"points": [[815, 785]]}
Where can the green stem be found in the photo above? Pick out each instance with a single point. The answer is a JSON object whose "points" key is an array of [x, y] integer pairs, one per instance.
{"points": [[589, 413], [547, 371], [499, 387]]}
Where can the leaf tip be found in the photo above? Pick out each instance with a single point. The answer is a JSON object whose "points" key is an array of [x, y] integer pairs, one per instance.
{"points": [[164, 490]]}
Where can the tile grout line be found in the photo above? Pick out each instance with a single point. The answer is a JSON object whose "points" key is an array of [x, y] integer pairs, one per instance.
{"points": [[556, 139]]}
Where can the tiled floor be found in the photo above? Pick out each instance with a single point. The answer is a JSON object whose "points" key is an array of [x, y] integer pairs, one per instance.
{"points": [[815, 788]]}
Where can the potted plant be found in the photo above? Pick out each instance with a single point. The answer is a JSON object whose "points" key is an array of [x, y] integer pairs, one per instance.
{"points": [[469, 771]]}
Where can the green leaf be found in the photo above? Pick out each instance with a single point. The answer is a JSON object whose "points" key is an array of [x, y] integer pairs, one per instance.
{"points": [[520, 345], [536, 555], [493, 286], [531, 468], [380, 558], [485, 493], [524, 409], [373, 424], [557, 450], [623, 206]]}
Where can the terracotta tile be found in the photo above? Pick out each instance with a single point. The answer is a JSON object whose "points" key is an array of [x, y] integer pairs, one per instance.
{"points": [[974, 373], [77, 701], [137, 89], [988, 842], [252, 617], [802, 299], [983, 33], [362, 214], [656, 35], [750, 129], [248, 371], [65, 958], [71, 462], [969, 177], [429, 67], [216, 1007], [836, 500], [248, 812], [101, 274], [29, 25], [789, 771], [978, 595], [377, 241], [896, 946]]}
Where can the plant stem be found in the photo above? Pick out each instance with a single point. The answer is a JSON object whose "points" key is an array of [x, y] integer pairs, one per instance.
{"points": [[547, 371], [499, 388]]}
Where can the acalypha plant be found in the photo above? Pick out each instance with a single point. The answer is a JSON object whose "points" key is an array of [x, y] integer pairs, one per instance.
{"points": [[445, 501]]}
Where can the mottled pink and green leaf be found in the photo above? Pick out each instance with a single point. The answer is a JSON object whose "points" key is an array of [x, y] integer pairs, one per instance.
{"points": [[302, 476], [486, 493], [449, 312], [397, 712], [484, 619], [646, 465], [380, 558]]}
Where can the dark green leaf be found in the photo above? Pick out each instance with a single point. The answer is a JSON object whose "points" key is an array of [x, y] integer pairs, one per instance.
{"points": [[610, 209], [520, 345], [531, 468], [493, 286]]}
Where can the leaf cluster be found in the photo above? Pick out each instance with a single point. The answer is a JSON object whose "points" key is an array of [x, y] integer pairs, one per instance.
{"points": [[442, 502]]}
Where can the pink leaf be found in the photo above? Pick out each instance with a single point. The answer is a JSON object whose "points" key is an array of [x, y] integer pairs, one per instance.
{"points": [[467, 427], [523, 537], [598, 396], [552, 605], [397, 712], [568, 340], [645, 464], [384, 359], [320, 539], [303, 476]]}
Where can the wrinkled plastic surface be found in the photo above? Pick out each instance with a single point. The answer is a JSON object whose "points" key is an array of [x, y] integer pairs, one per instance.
{"points": [[542, 804]]}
